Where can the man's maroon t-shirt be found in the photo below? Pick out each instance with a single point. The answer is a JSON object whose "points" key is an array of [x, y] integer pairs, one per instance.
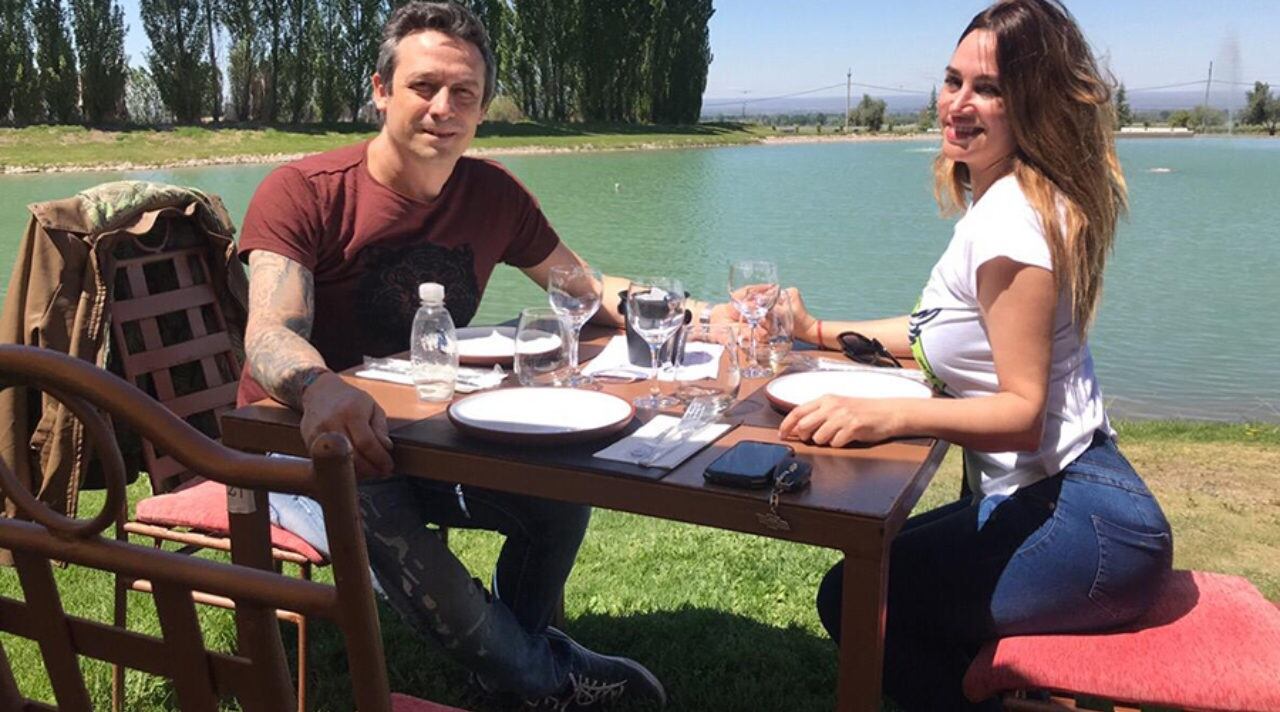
{"points": [[370, 247]]}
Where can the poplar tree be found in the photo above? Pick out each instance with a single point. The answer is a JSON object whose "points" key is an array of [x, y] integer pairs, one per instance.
{"points": [[240, 19], [209, 10], [327, 63], [14, 31], [1124, 115], [271, 23], [362, 33], [688, 21], [178, 36], [929, 115], [59, 80], [100, 31], [298, 67]]}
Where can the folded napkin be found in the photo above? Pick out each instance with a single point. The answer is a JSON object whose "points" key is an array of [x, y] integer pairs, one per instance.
{"points": [[399, 370], [651, 432], [804, 362], [702, 360]]}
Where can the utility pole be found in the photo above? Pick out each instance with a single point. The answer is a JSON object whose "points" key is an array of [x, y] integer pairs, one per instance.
{"points": [[848, 97], [745, 92], [1204, 119]]}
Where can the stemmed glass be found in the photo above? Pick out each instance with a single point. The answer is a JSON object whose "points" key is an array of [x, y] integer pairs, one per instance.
{"points": [[574, 292], [655, 310], [753, 288]]}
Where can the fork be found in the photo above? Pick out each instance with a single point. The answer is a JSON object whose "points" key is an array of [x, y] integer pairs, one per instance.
{"points": [[699, 412]]}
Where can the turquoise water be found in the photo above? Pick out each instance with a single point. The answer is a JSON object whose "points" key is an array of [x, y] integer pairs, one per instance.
{"points": [[1188, 325]]}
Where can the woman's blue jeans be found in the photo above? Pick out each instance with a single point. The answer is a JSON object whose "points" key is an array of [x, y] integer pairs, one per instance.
{"points": [[1081, 551]]}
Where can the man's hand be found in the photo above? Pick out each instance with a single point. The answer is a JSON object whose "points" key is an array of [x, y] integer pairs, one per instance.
{"points": [[331, 405]]}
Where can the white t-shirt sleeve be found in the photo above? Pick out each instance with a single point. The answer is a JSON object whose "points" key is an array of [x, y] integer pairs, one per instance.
{"points": [[1005, 225]]}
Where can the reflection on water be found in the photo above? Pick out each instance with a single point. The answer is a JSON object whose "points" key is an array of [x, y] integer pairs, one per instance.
{"points": [[1187, 327]]}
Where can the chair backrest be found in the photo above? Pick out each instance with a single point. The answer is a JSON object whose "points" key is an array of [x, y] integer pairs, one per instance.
{"points": [[171, 335], [256, 674]]}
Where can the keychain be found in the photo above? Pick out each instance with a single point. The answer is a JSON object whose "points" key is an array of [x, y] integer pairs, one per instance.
{"points": [[791, 476]]}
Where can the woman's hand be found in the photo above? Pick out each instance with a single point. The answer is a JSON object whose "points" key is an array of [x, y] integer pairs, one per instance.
{"points": [[837, 421], [805, 326]]}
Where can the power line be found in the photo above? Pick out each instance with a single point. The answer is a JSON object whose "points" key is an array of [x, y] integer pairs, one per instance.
{"points": [[900, 91], [1168, 86], [773, 98]]}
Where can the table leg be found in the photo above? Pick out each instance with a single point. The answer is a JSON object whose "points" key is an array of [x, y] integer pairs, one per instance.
{"points": [[862, 621]]}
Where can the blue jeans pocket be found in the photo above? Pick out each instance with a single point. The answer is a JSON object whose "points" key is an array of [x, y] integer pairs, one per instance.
{"points": [[1130, 564]]}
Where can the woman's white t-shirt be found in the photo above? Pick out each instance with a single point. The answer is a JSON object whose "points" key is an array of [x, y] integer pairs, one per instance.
{"points": [[949, 340]]}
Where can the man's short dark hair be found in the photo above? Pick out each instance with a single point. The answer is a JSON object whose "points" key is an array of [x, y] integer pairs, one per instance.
{"points": [[449, 18]]}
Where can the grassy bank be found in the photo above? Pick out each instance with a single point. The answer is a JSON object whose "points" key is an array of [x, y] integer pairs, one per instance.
{"points": [[63, 147], [726, 620]]}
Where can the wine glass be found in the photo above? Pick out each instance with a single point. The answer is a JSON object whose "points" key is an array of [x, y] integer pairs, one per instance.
{"points": [[753, 288], [574, 292], [655, 311], [781, 321]]}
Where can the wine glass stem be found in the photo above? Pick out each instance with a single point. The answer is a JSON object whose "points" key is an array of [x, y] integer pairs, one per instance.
{"points": [[573, 348], [653, 372], [751, 336]]}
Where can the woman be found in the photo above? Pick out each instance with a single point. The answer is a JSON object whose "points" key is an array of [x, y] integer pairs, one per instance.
{"points": [[1060, 534]]}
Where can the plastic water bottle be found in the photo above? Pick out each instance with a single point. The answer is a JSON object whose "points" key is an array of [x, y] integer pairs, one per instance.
{"points": [[433, 349]]}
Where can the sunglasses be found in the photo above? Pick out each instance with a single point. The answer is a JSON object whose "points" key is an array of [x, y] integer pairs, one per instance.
{"points": [[864, 350]]}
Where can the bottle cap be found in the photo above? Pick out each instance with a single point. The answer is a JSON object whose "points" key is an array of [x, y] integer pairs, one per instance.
{"points": [[431, 293]]}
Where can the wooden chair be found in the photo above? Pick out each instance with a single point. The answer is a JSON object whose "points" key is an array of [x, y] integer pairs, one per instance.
{"points": [[1210, 642], [172, 340], [256, 674]]}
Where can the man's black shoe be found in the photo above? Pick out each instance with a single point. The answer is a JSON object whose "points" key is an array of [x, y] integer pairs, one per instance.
{"points": [[597, 681]]}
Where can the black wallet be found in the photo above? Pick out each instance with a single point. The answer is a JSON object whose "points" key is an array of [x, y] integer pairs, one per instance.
{"points": [[750, 464]]}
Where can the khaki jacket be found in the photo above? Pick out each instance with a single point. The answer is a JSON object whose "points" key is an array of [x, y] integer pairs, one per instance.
{"points": [[59, 297]]}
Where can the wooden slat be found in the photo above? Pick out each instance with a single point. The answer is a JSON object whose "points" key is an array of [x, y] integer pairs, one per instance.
{"points": [[56, 648], [201, 401], [10, 696], [167, 356], [185, 644], [205, 541], [158, 257], [208, 599], [131, 649], [162, 468], [154, 305]]}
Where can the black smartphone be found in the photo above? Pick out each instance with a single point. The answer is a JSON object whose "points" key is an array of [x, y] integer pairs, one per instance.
{"points": [[748, 464]]}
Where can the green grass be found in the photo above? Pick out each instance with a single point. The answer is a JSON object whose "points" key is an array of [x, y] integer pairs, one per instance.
{"points": [[726, 620], [39, 147]]}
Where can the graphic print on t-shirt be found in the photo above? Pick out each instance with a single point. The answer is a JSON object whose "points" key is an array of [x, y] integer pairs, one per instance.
{"points": [[387, 297], [920, 317]]}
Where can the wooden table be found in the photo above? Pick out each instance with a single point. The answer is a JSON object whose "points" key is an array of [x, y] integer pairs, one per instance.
{"points": [[858, 499]]}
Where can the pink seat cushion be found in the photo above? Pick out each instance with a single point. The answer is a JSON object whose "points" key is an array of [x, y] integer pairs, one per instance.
{"points": [[1211, 642], [405, 703], [204, 508]]}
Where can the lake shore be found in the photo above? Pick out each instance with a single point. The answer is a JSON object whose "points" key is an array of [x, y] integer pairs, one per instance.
{"points": [[77, 150]]}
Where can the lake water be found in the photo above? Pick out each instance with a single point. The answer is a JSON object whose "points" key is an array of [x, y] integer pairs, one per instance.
{"points": [[1188, 325]]}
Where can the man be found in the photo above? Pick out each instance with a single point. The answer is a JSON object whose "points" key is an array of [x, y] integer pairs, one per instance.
{"points": [[337, 244]]}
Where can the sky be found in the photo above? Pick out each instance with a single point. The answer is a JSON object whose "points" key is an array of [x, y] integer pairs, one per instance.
{"points": [[766, 48]]}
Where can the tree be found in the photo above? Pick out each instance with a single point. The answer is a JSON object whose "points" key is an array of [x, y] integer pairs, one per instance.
{"points": [[610, 36], [209, 10], [297, 66], [869, 112], [929, 115], [178, 37], [240, 19], [326, 64], [1261, 108], [15, 52], [1180, 118], [100, 32], [59, 80], [680, 57], [362, 33], [142, 99], [1124, 115]]}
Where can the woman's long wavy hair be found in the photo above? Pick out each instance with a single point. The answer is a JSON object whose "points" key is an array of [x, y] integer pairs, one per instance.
{"points": [[1059, 107]]}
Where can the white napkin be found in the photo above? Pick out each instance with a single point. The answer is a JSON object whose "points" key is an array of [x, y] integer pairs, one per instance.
{"points": [[651, 432], [399, 370], [702, 359]]}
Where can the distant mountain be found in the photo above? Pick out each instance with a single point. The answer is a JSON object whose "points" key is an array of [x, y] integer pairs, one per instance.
{"points": [[1221, 97]]}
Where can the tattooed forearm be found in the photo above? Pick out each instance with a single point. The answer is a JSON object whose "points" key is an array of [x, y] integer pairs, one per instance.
{"points": [[281, 314]]}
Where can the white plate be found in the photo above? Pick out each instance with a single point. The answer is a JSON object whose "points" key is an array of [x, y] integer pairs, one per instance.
{"points": [[792, 389], [487, 345], [541, 416]]}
